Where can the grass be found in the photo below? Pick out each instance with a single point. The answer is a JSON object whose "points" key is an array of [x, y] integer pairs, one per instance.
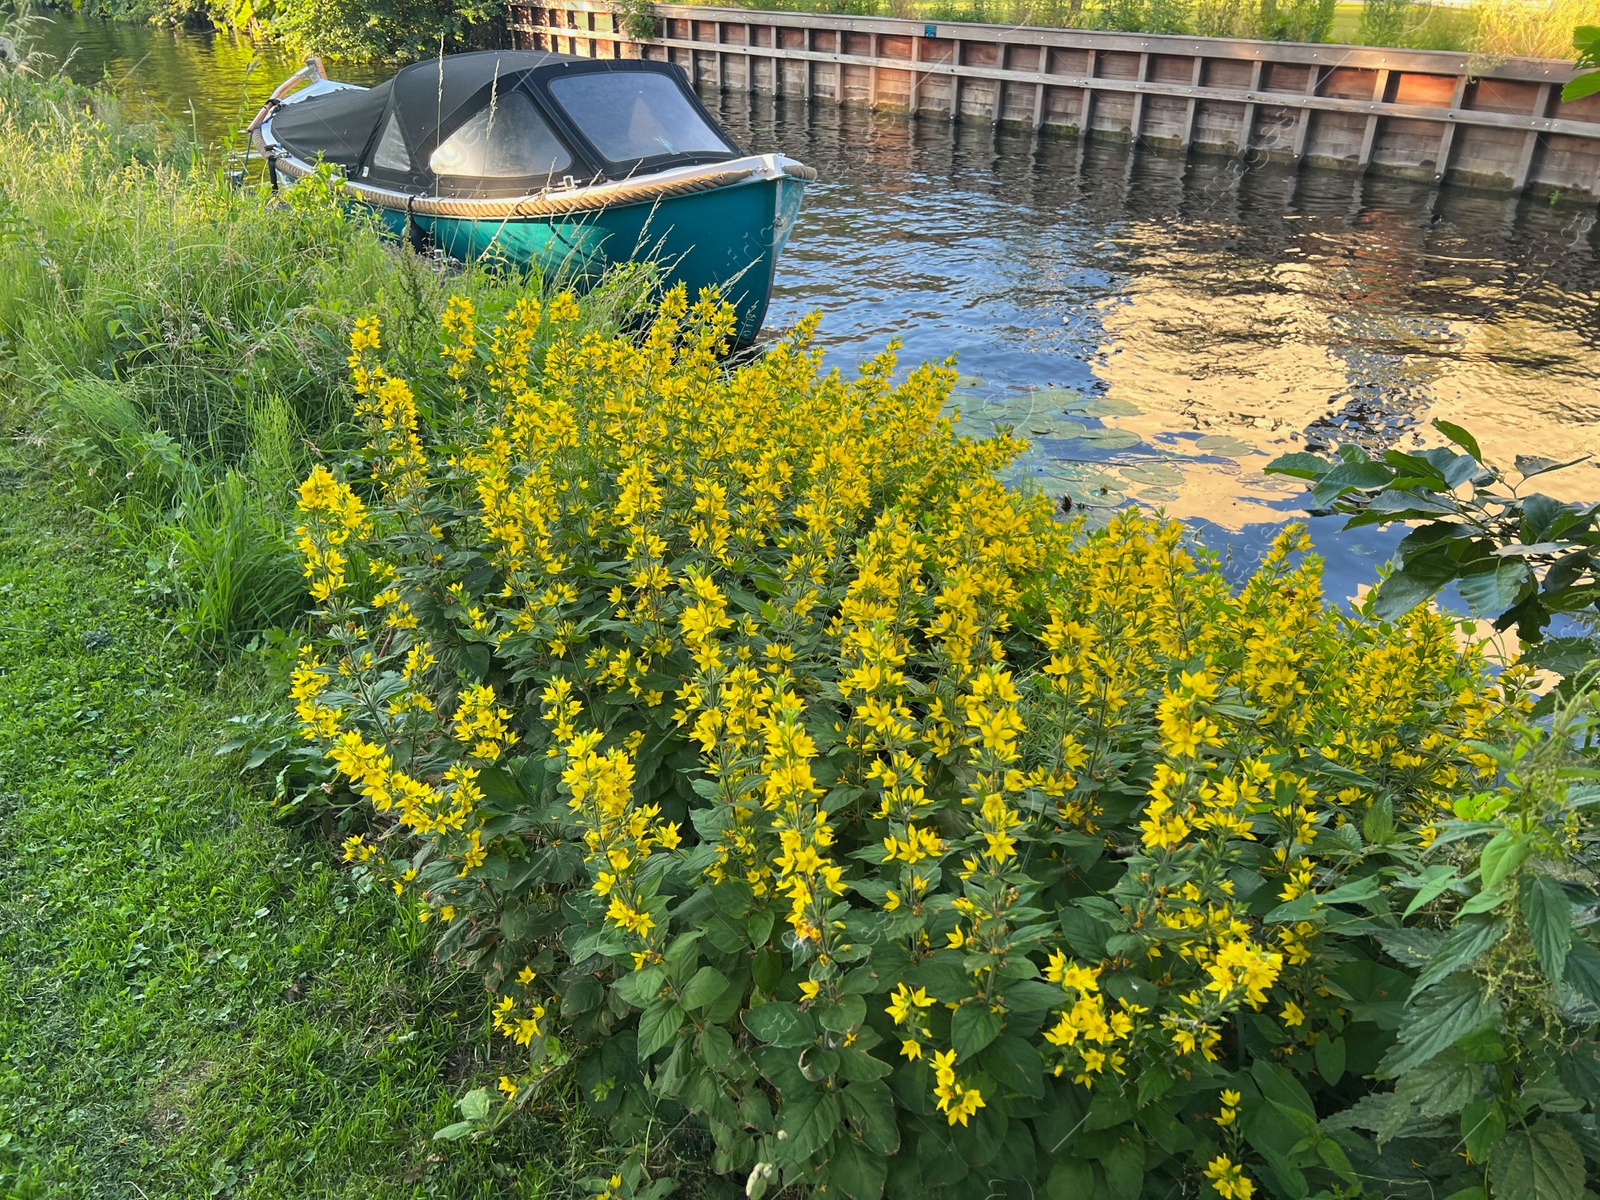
{"points": [[193, 999], [1490, 28]]}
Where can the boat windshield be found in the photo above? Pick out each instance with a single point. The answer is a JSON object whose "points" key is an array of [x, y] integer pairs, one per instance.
{"points": [[506, 140], [631, 115]]}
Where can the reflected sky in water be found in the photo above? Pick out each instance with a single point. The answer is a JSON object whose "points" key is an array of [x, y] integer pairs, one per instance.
{"points": [[1158, 328], [1207, 314]]}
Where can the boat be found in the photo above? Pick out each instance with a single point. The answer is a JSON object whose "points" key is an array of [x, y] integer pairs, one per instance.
{"points": [[548, 162]]}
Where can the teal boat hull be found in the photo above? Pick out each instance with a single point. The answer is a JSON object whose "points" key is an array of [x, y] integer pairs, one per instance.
{"points": [[728, 238]]}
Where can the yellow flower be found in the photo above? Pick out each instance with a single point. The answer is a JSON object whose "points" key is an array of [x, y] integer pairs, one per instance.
{"points": [[1229, 1179], [904, 1002], [1230, 1107]]}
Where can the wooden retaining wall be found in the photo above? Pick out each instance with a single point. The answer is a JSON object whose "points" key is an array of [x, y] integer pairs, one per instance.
{"points": [[1414, 113]]}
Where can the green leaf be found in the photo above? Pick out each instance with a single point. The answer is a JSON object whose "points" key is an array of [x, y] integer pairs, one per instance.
{"points": [[1583, 970], [658, 1025], [1586, 40], [758, 926], [1300, 464], [1582, 87], [942, 974], [869, 1107], [779, 1023], [475, 1104], [1489, 593], [1330, 1055], [1460, 437], [973, 1027], [857, 1065], [708, 983], [716, 1046], [1579, 1070], [1503, 855], [1155, 1081], [1352, 477], [1542, 1163], [1084, 933], [1529, 465], [844, 1015], [1279, 1085], [1464, 946], [1071, 1179], [1441, 1018], [455, 1132], [1420, 579], [1434, 881], [856, 1172], [810, 1117], [1485, 901], [1563, 655], [1547, 913], [1124, 1167], [1015, 1063], [1483, 1123], [767, 969]]}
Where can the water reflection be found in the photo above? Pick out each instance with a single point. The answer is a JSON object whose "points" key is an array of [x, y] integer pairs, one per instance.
{"points": [[208, 82], [1161, 326], [1214, 313]]}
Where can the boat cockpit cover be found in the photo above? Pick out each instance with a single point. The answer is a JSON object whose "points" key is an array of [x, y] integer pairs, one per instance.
{"points": [[337, 125], [506, 122]]}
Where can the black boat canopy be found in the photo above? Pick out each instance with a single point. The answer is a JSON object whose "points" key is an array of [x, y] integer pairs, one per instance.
{"points": [[506, 123]]}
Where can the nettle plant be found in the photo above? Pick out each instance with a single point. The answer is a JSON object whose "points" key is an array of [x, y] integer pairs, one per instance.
{"points": [[778, 766]]}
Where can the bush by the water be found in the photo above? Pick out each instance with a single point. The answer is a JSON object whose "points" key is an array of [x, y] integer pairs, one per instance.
{"points": [[780, 769]]}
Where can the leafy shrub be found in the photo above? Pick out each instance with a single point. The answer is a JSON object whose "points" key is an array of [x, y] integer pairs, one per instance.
{"points": [[1517, 556], [778, 766], [404, 30]]}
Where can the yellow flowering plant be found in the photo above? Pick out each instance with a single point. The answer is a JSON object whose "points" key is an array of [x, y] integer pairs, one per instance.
{"points": [[780, 767]]}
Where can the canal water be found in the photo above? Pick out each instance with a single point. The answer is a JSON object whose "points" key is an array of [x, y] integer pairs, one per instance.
{"points": [[1159, 327]]}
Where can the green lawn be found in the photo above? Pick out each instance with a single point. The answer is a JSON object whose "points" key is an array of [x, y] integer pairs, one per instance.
{"points": [[194, 1001]]}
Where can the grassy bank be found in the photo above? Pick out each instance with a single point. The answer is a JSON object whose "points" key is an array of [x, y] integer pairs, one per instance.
{"points": [[196, 999], [196, 1002]]}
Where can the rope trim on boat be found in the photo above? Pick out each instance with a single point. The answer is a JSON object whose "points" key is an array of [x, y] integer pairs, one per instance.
{"points": [[544, 205]]}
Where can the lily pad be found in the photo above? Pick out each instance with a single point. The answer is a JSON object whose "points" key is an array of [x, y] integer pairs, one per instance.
{"points": [[1106, 406], [1157, 474], [1094, 496], [1111, 439], [970, 381], [1063, 427], [1225, 445]]}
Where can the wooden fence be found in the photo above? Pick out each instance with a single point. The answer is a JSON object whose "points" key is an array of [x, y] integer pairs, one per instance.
{"points": [[1416, 113]]}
